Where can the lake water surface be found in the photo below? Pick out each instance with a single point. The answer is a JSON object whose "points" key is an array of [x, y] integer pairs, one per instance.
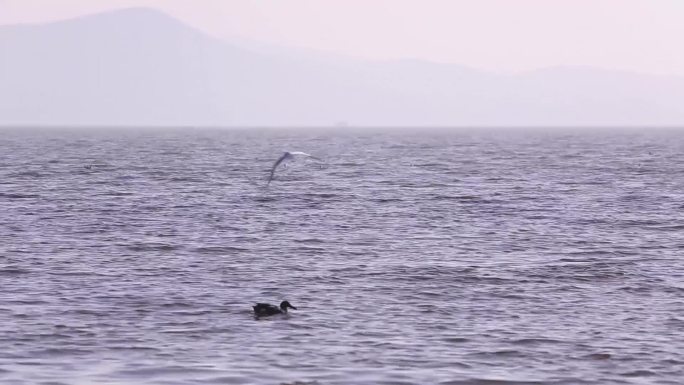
{"points": [[469, 257]]}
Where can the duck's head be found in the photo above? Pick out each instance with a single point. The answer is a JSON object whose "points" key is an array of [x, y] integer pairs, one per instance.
{"points": [[285, 305]]}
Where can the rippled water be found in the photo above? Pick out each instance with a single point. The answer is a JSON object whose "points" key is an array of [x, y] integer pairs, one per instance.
{"points": [[413, 257]]}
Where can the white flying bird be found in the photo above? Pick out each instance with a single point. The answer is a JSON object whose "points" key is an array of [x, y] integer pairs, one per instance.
{"points": [[288, 155]]}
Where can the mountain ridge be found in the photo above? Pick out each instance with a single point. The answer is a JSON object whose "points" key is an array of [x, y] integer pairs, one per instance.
{"points": [[138, 66]]}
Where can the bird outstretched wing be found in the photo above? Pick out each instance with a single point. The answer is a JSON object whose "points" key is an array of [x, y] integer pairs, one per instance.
{"points": [[305, 154], [276, 164], [285, 156]]}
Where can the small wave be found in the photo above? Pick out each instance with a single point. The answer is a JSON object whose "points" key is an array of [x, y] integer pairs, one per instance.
{"points": [[116, 194], [499, 354], [192, 313], [28, 302], [345, 269], [457, 340], [162, 370], [152, 247], [13, 271], [225, 380], [76, 273], [576, 260], [18, 196], [585, 272], [187, 179], [28, 174], [302, 383], [321, 195], [386, 200], [639, 373], [598, 356], [639, 222], [460, 198], [535, 341], [89, 312], [634, 289], [310, 241], [176, 305], [220, 249], [61, 352], [133, 348], [484, 381], [265, 199], [673, 289], [125, 177], [669, 228]]}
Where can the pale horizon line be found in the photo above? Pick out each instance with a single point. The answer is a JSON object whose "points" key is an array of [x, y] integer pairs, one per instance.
{"points": [[342, 128]]}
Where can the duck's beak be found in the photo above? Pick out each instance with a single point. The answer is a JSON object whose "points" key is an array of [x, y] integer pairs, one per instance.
{"points": [[292, 307]]}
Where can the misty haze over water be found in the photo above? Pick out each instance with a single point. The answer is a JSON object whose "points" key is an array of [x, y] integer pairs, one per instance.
{"points": [[140, 67], [463, 257]]}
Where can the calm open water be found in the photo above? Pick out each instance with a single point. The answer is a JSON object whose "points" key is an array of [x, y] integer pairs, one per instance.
{"points": [[489, 258]]}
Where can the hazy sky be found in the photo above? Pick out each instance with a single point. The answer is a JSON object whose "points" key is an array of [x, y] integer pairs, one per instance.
{"points": [[503, 35]]}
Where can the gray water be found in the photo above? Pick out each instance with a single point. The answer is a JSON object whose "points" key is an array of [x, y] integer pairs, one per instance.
{"points": [[413, 257]]}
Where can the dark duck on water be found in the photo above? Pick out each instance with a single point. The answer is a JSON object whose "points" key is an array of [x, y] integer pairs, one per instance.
{"points": [[266, 309]]}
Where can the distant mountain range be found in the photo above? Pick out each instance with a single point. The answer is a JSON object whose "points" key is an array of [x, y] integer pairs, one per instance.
{"points": [[142, 67]]}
